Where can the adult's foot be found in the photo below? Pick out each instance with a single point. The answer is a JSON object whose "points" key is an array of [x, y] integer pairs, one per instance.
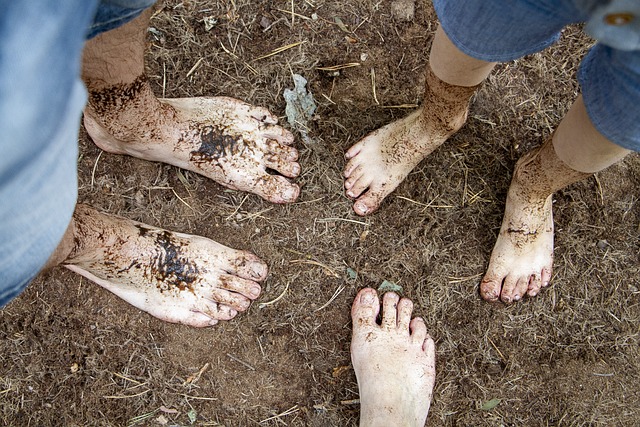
{"points": [[378, 163], [227, 140], [173, 276], [394, 362]]}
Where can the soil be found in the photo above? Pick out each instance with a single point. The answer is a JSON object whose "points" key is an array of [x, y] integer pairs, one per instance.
{"points": [[72, 354]]}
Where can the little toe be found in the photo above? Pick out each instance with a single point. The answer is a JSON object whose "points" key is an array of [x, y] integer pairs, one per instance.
{"points": [[405, 308], [490, 288], [545, 277], [389, 310], [418, 330], [429, 347], [231, 299], [216, 311], [365, 308]]}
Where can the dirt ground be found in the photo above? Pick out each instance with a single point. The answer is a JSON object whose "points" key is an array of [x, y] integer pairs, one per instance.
{"points": [[72, 354]]}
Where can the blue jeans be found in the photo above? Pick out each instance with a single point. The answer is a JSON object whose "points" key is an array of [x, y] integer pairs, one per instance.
{"points": [[609, 76], [41, 102]]}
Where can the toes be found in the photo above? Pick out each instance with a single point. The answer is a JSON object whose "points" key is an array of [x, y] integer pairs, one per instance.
{"points": [[354, 150], [490, 288], [365, 308], [351, 166], [405, 308], [535, 283], [418, 330], [215, 311], [521, 288], [429, 348], [276, 189], [248, 266], [281, 164], [279, 134], [367, 203], [358, 187], [508, 289], [389, 310], [263, 115], [545, 277]]}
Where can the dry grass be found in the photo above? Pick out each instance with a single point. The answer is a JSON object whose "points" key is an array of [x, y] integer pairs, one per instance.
{"points": [[72, 354]]}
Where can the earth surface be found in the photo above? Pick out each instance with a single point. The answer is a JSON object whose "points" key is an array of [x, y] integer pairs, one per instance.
{"points": [[72, 354]]}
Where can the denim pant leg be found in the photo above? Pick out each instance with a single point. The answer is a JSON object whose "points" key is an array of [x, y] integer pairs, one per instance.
{"points": [[41, 101]]}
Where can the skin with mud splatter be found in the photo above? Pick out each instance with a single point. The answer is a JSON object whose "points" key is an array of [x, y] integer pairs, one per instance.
{"points": [[381, 161], [173, 276], [222, 138], [522, 258], [394, 361]]}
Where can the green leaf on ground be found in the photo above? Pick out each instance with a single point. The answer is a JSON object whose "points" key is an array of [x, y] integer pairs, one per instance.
{"points": [[387, 286], [490, 404], [193, 416], [351, 274]]}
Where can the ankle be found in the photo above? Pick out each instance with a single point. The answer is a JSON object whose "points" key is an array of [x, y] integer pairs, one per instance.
{"points": [[446, 105]]}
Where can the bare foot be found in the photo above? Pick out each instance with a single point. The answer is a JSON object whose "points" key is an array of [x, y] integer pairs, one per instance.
{"points": [[224, 139], [522, 258], [394, 362], [173, 276], [378, 163]]}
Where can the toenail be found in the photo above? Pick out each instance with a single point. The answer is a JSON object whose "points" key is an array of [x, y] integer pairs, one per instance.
{"points": [[533, 294], [367, 298], [255, 292], [545, 284], [516, 298]]}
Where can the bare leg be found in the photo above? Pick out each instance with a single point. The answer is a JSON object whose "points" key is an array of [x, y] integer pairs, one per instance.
{"points": [[381, 161], [394, 362], [522, 258], [222, 138], [172, 276]]}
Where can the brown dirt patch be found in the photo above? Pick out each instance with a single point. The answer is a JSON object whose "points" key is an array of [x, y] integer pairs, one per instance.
{"points": [[73, 354]]}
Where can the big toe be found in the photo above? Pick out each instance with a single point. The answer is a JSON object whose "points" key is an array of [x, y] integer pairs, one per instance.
{"points": [[367, 203], [365, 308], [490, 288]]}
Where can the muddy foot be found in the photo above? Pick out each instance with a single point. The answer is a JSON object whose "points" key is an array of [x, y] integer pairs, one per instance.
{"points": [[229, 141], [522, 258], [381, 161], [175, 277], [394, 362]]}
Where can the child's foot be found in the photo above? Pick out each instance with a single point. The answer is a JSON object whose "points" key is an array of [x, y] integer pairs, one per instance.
{"points": [[394, 361], [378, 163], [173, 276], [229, 141], [382, 160], [522, 258]]}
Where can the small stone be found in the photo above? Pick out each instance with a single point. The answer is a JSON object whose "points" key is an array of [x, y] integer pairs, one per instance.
{"points": [[265, 22], [602, 244], [363, 56], [403, 10], [209, 23]]}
